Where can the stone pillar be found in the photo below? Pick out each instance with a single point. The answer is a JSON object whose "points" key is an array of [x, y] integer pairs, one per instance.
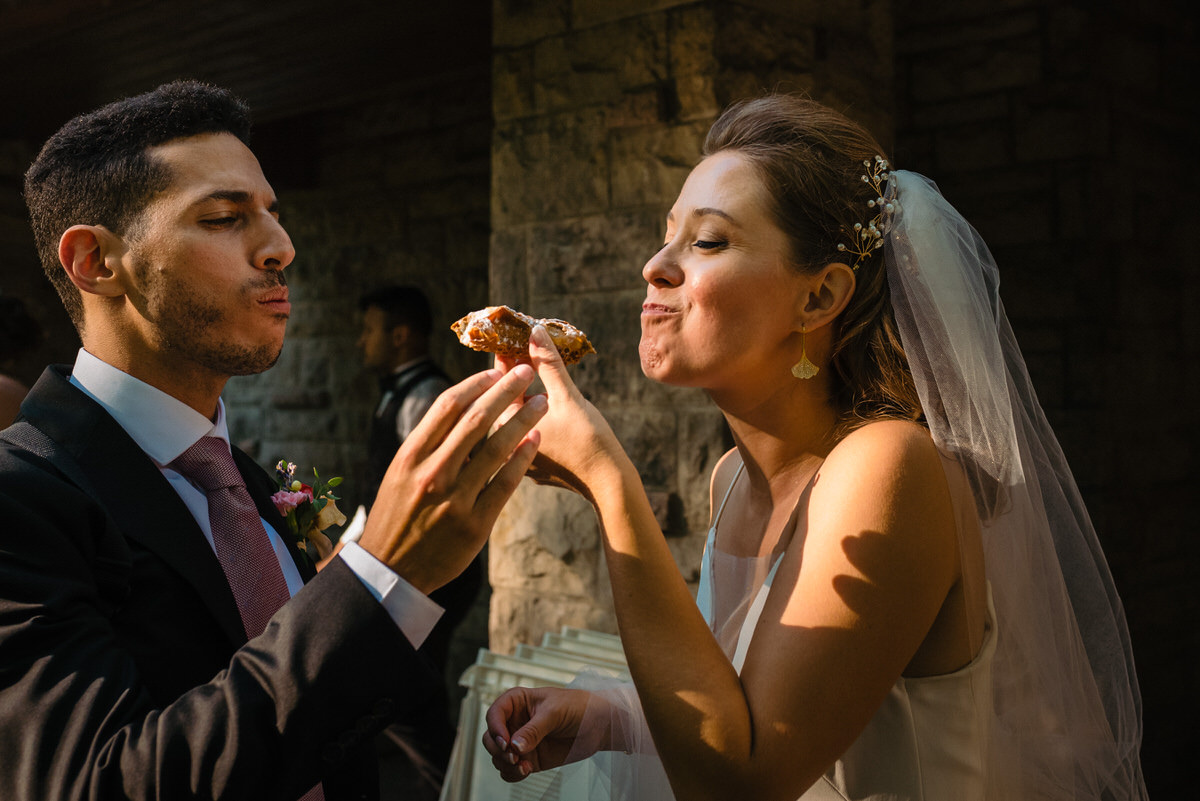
{"points": [[600, 110]]}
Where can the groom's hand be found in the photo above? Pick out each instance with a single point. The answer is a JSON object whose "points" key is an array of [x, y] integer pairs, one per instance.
{"points": [[449, 480]]}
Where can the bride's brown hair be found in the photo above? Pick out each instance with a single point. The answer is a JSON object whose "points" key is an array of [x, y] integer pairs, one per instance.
{"points": [[810, 159]]}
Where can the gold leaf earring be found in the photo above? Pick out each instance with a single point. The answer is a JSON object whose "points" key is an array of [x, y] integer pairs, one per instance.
{"points": [[804, 368]]}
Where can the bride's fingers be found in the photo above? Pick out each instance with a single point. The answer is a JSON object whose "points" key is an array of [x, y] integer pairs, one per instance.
{"points": [[515, 707], [510, 709], [526, 739], [513, 773], [509, 767], [512, 706]]}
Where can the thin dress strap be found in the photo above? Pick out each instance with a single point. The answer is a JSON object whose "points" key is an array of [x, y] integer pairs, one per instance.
{"points": [[728, 491], [704, 597]]}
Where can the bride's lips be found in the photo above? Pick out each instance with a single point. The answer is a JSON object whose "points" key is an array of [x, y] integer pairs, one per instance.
{"points": [[276, 300], [655, 309]]}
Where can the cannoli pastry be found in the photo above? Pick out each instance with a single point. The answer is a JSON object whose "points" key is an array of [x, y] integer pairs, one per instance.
{"points": [[505, 331]]}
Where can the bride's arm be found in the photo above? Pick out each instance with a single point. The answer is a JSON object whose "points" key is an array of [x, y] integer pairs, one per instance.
{"points": [[846, 613]]}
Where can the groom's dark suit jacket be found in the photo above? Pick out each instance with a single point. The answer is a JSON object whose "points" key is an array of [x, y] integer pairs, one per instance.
{"points": [[124, 671]]}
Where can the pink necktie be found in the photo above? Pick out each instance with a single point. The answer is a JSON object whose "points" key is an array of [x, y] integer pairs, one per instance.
{"points": [[241, 542]]}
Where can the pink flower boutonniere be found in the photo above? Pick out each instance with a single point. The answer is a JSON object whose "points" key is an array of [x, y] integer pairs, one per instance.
{"points": [[308, 509]]}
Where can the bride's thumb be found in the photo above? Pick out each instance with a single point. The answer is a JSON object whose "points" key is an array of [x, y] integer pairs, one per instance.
{"points": [[526, 738], [546, 359]]}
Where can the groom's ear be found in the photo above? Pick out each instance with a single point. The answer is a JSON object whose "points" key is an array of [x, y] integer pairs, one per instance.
{"points": [[829, 291], [91, 256]]}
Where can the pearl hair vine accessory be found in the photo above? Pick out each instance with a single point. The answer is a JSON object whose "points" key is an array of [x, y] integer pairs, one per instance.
{"points": [[870, 237]]}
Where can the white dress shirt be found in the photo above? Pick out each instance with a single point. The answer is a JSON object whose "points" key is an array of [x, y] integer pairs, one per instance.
{"points": [[165, 427]]}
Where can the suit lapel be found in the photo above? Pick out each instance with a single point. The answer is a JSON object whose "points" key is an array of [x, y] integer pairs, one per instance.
{"points": [[132, 490]]}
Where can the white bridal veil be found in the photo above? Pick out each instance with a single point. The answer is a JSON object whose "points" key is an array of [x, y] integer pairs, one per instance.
{"points": [[1067, 711]]}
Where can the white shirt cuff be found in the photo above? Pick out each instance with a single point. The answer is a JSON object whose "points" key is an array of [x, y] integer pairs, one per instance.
{"points": [[415, 614]]}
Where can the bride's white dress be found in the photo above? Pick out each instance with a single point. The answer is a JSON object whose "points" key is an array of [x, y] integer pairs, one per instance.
{"points": [[926, 742]]}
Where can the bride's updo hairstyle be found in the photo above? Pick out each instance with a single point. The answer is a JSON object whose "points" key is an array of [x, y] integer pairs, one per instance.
{"points": [[810, 159]]}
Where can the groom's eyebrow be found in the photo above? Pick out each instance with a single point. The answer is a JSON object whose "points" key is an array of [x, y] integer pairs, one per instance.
{"points": [[232, 195], [239, 196]]}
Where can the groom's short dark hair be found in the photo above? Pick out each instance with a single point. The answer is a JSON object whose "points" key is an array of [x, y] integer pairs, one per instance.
{"points": [[95, 170]]}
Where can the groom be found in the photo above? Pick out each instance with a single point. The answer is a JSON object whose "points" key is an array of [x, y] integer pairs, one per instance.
{"points": [[159, 635]]}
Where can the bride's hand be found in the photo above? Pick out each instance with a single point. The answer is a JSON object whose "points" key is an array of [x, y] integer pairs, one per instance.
{"points": [[575, 437], [530, 730]]}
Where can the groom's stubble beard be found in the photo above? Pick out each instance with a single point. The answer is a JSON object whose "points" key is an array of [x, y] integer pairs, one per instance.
{"points": [[195, 330]]}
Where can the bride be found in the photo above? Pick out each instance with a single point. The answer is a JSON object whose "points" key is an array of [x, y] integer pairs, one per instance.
{"points": [[901, 596]]}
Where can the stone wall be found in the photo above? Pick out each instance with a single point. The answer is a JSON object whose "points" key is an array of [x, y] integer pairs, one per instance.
{"points": [[1061, 130], [21, 273], [600, 110]]}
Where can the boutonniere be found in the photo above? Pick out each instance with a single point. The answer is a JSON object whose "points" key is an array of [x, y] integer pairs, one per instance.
{"points": [[308, 509]]}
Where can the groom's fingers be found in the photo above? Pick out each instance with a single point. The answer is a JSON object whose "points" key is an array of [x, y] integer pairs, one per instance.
{"points": [[504, 364], [494, 465], [504, 483], [446, 410], [475, 421]]}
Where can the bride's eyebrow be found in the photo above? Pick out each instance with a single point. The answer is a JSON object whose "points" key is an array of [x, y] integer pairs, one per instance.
{"points": [[704, 211], [711, 212]]}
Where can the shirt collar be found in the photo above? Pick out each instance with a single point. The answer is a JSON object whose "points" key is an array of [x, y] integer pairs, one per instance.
{"points": [[162, 426], [408, 365], [387, 383]]}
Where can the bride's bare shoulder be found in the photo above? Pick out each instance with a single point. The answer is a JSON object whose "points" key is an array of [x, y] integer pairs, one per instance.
{"points": [[884, 485], [885, 452], [886, 434]]}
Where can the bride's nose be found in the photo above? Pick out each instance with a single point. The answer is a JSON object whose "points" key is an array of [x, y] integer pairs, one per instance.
{"points": [[663, 269]]}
